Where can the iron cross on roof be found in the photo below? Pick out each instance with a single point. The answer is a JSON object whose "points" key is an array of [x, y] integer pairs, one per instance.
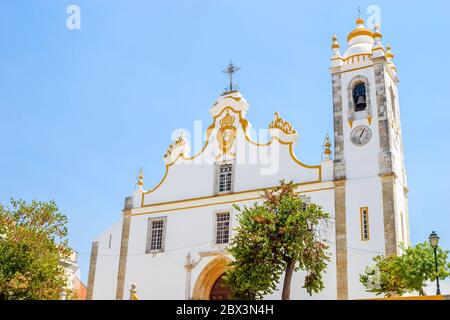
{"points": [[232, 68]]}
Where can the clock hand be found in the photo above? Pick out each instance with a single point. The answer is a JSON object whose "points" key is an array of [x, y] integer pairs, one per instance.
{"points": [[362, 133]]}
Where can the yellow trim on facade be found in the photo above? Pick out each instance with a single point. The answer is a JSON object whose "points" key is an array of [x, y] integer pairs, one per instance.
{"points": [[244, 124], [361, 210], [193, 207], [221, 195], [218, 203]]}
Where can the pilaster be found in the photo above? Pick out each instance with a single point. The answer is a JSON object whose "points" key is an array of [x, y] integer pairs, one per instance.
{"points": [[123, 250], [341, 240], [339, 161], [92, 269], [390, 229]]}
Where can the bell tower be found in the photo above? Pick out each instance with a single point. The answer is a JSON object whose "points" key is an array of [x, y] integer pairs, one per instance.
{"points": [[369, 173]]}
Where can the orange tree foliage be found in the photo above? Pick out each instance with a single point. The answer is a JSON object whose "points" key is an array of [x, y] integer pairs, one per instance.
{"points": [[278, 236], [32, 244], [406, 273]]}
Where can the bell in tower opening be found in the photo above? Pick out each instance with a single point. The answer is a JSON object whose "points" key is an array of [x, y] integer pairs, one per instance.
{"points": [[359, 97]]}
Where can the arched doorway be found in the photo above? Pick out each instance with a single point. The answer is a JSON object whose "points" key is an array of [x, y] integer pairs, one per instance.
{"points": [[208, 284], [220, 290]]}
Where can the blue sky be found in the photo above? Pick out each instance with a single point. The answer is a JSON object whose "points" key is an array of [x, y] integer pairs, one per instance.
{"points": [[82, 110]]}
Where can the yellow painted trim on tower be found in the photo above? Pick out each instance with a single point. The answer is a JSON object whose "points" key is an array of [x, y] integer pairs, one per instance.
{"points": [[360, 68], [368, 55], [361, 210], [359, 32]]}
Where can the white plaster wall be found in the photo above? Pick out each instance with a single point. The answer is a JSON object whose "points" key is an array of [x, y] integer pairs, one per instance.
{"points": [[163, 276], [363, 193], [279, 166], [105, 283], [401, 214], [363, 189]]}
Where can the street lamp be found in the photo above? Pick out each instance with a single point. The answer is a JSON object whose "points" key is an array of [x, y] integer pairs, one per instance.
{"points": [[434, 241]]}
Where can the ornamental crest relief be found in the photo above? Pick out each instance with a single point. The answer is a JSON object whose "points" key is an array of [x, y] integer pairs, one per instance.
{"points": [[226, 135]]}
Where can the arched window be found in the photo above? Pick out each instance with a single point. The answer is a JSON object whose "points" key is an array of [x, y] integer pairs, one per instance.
{"points": [[359, 97]]}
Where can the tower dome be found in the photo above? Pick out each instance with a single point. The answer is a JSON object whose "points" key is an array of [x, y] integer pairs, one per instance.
{"points": [[360, 40]]}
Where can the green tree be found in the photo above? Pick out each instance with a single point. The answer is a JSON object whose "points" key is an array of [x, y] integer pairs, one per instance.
{"points": [[32, 243], [279, 235], [408, 272]]}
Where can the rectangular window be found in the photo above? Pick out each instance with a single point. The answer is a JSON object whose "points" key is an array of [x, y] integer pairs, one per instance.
{"points": [[109, 242], [364, 216], [224, 177], [155, 235], [222, 228]]}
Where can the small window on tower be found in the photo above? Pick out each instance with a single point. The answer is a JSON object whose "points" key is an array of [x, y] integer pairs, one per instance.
{"points": [[364, 216], [359, 97], [109, 242], [224, 177]]}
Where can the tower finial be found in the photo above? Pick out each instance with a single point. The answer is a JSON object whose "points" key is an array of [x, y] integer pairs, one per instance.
{"points": [[335, 43], [327, 148], [377, 35], [140, 182], [359, 21], [389, 53], [231, 68]]}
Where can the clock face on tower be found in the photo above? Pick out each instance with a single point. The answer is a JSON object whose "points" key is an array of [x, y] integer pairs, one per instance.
{"points": [[361, 135]]}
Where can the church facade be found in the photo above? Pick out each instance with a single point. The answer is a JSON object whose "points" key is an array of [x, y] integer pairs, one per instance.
{"points": [[172, 238]]}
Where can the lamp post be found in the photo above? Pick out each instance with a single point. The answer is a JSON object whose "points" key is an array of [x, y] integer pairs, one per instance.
{"points": [[434, 241]]}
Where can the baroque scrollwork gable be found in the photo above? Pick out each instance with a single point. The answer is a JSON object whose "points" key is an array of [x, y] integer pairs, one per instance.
{"points": [[281, 128], [175, 149], [281, 124]]}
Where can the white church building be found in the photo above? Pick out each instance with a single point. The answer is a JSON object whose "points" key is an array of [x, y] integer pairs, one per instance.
{"points": [[172, 238]]}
